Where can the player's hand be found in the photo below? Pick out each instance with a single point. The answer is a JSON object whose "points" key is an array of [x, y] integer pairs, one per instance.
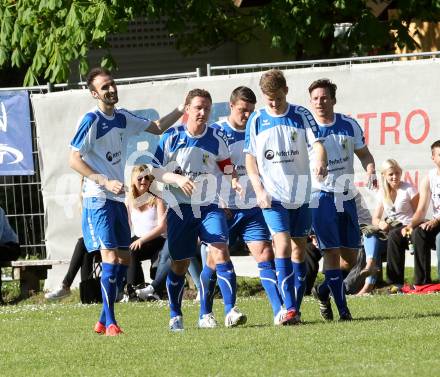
{"points": [[429, 225], [114, 186], [320, 170], [372, 182], [263, 199], [236, 186], [185, 184], [136, 245]]}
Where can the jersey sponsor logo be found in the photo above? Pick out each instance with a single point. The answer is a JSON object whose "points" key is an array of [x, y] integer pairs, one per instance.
{"points": [[181, 141], [294, 135], [265, 122], [114, 158], [269, 154]]}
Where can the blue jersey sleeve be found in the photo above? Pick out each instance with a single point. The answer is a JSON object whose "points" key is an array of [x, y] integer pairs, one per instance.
{"points": [[83, 139]]}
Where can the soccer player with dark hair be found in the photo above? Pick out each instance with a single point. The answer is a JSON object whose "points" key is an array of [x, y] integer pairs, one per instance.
{"points": [[98, 152], [199, 153], [334, 215], [277, 163]]}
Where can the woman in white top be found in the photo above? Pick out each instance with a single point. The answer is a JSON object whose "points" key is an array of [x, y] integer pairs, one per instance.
{"points": [[395, 210], [147, 221]]}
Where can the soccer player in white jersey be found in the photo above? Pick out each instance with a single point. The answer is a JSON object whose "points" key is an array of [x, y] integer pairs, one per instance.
{"points": [[334, 216], [424, 232], [245, 218], [277, 163], [200, 153], [98, 153]]}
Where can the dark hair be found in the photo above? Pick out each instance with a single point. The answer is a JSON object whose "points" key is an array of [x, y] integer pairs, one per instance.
{"points": [[197, 93], [435, 144], [324, 83], [272, 81], [243, 93], [97, 71]]}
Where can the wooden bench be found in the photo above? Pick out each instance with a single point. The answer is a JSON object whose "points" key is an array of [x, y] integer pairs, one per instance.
{"points": [[30, 272]]}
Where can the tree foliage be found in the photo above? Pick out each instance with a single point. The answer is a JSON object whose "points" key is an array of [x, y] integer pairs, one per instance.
{"points": [[48, 36]]}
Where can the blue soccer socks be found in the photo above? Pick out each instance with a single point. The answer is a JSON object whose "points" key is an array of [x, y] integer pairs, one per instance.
{"points": [[333, 278], [108, 289], [299, 272], [175, 284], [121, 278], [208, 279], [227, 282], [268, 279], [285, 280]]}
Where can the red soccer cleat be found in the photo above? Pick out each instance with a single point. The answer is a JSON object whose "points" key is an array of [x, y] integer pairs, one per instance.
{"points": [[113, 330], [99, 328]]}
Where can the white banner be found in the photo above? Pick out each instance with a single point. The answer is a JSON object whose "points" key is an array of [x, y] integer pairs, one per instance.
{"points": [[396, 104]]}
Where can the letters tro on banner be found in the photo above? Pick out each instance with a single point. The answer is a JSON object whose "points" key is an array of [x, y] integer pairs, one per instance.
{"points": [[15, 134]]}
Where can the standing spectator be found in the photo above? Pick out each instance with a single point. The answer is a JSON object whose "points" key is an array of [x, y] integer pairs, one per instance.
{"points": [[424, 231], [200, 155], [9, 247], [98, 152], [277, 163], [335, 219]]}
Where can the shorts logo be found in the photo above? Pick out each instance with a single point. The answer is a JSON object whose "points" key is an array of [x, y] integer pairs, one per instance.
{"points": [[269, 154]]}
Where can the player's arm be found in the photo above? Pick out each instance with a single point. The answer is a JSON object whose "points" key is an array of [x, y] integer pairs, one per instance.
{"points": [[228, 169], [263, 199], [321, 161], [367, 161], [169, 178], [157, 127], [79, 165]]}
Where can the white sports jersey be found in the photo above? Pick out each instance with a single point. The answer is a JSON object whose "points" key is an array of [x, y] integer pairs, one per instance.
{"points": [[341, 138], [236, 140], [434, 185], [280, 145], [195, 157], [102, 142]]}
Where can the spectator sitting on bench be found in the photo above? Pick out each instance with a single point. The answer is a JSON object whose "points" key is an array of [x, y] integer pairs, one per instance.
{"points": [[9, 247], [81, 259]]}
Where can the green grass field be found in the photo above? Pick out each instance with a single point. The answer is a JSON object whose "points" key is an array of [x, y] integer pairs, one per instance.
{"points": [[391, 336]]}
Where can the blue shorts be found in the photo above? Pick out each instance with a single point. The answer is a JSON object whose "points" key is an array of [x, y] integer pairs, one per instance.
{"points": [[335, 229], [210, 227], [105, 224], [247, 224], [297, 222]]}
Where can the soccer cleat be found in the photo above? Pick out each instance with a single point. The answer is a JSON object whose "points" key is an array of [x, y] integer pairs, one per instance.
{"points": [[235, 317], [286, 318], [207, 321], [176, 323], [346, 316], [147, 294], [57, 294], [325, 306], [99, 328], [113, 330]]}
